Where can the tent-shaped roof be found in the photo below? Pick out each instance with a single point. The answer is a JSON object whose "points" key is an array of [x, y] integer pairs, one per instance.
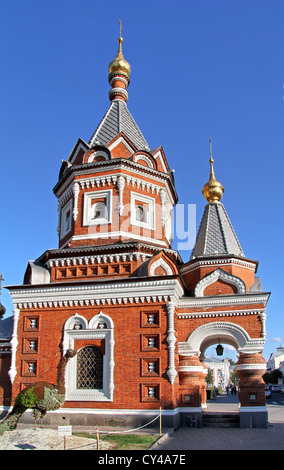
{"points": [[118, 119], [216, 234]]}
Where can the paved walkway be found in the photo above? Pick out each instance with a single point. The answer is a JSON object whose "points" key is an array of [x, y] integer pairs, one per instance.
{"points": [[271, 438], [185, 439]]}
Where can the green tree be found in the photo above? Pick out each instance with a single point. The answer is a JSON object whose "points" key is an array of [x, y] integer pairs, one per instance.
{"points": [[273, 376], [234, 377], [209, 379]]}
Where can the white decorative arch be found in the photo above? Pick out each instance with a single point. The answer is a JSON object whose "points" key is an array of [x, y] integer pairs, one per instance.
{"points": [[98, 320], [160, 262], [100, 327], [213, 277], [98, 153], [225, 332], [145, 159], [77, 322]]}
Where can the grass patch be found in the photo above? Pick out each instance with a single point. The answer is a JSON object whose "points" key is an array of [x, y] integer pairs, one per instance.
{"points": [[125, 441]]}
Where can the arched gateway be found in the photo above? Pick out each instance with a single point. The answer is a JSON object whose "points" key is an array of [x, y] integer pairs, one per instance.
{"points": [[227, 306], [116, 292]]}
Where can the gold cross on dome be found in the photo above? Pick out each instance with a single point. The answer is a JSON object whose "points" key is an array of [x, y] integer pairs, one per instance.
{"points": [[120, 28]]}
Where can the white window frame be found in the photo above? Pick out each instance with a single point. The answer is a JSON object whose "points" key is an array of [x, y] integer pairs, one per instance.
{"points": [[151, 218], [90, 331], [89, 198], [64, 228]]}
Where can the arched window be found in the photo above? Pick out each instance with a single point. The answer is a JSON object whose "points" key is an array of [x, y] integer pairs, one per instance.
{"points": [[141, 214], [99, 210], [90, 368]]}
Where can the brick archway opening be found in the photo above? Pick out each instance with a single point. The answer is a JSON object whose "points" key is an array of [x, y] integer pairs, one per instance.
{"points": [[250, 369]]}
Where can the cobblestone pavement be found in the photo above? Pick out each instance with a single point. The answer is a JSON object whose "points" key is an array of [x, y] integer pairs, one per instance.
{"points": [[271, 438]]}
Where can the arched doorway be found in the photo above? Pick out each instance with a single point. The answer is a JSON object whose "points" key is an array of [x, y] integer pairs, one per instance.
{"points": [[250, 368]]}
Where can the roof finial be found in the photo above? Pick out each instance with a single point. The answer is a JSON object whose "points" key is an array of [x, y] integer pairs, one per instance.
{"points": [[213, 190], [211, 161], [120, 28], [119, 67]]}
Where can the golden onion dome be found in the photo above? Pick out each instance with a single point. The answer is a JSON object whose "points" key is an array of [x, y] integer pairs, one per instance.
{"points": [[119, 65], [212, 190]]}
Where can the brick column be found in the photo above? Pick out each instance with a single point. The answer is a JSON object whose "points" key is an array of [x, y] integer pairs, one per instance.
{"points": [[191, 381], [250, 369]]}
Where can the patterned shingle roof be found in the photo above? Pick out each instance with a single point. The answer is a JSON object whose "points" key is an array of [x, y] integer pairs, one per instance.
{"points": [[118, 119], [6, 328], [216, 234]]}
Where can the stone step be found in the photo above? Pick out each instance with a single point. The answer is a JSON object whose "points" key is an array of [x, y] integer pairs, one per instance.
{"points": [[220, 420]]}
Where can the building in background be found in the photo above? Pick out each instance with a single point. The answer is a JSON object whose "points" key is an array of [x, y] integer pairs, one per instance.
{"points": [[275, 359], [221, 369]]}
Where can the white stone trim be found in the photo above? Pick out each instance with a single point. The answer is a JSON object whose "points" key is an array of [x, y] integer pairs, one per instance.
{"points": [[229, 333], [115, 235], [260, 366], [220, 313], [208, 301], [171, 340], [82, 146], [14, 344], [151, 218], [145, 159], [76, 190], [64, 227], [252, 409], [156, 183], [218, 262], [97, 294], [90, 260], [87, 211], [91, 331], [98, 153], [120, 186], [215, 276], [160, 262], [120, 140], [191, 369]]}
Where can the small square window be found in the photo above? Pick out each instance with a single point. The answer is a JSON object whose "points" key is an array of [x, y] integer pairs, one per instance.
{"points": [[150, 342], [31, 323], [142, 211], [97, 208], [150, 392], [149, 319], [150, 367]]}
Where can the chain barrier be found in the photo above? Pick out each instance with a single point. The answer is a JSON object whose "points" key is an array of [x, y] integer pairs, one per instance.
{"points": [[129, 430]]}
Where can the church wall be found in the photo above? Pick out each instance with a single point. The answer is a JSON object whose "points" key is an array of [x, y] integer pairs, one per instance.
{"points": [[117, 223], [193, 277], [250, 322], [132, 354]]}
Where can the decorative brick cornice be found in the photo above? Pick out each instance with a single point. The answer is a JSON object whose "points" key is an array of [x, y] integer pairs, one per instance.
{"points": [[223, 313], [97, 295], [217, 262], [224, 300]]}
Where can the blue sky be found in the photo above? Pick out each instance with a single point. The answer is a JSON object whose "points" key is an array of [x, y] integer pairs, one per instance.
{"points": [[199, 68]]}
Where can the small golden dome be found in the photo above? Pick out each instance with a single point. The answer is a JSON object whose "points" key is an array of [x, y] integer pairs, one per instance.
{"points": [[213, 190], [119, 65]]}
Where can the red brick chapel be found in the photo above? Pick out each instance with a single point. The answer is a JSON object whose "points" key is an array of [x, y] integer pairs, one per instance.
{"points": [[139, 318]]}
